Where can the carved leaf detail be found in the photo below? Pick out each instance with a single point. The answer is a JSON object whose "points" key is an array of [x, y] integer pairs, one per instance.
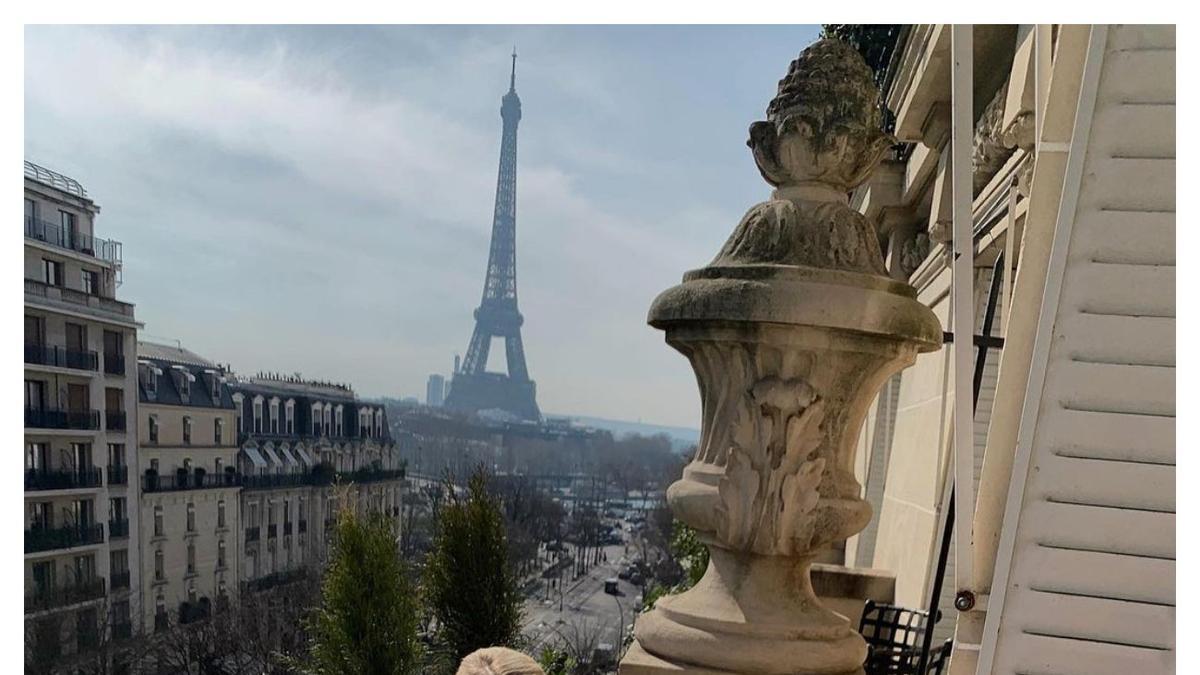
{"points": [[738, 490]]}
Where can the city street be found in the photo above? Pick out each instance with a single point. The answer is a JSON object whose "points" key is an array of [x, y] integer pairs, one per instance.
{"points": [[586, 608]]}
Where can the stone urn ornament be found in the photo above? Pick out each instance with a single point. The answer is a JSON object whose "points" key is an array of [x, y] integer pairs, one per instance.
{"points": [[792, 329]]}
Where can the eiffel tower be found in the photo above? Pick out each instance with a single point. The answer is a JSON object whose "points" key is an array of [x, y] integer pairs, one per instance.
{"points": [[473, 388]]}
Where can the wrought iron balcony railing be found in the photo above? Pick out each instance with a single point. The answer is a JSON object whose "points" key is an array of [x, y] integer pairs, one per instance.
{"points": [[47, 418], [118, 529], [117, 580], [66, 594], [64, 238], [189, 481], [114, 364], [61, 357], [40, 538], [273, 580], [114, 420], [61, 479], [118, 475]]}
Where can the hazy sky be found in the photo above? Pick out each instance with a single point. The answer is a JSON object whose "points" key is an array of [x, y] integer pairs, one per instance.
{"points": [[319, 199]]}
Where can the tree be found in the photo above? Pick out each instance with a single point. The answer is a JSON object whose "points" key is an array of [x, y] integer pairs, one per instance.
{"points": [[470, 587], [366, 623]]}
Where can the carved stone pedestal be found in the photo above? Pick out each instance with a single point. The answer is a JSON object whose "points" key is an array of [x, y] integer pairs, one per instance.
{"points": [[791, 330]]}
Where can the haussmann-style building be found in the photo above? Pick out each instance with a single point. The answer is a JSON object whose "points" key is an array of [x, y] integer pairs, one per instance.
{"points": [[187, 469]]}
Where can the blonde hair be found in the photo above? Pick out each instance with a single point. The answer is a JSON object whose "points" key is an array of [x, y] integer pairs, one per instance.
{"points": [[498, 661]]}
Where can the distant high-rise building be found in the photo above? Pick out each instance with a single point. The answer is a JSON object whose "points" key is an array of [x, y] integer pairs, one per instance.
{"points": [[435, 391]]}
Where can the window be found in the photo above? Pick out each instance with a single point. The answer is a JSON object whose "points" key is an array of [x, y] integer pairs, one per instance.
{"points": [[52, 271], [151, 381], [37, 456], [378, 423], [191, 558], [218, 430], [217, 464], [35, 394], [118, 561], [160, 571], [316, 419], [290, 417], [274, 415], [214, 391], [237, 404], [41, 515], [187, 430], [221, 553], [153, 428], [221, 513], [258, 413], [91, 282], [35, 330], [116, 508], [116, 455], [185, 387], [191, 517], [328, 418], [337, 421], [67, 220], [158, 521]]}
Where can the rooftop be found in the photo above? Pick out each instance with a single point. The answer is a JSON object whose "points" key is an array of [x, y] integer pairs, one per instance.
{"points": [[171, 353], [54, 179]]}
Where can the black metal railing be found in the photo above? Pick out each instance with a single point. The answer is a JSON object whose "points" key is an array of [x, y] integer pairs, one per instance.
{"points": [[46, 418], [66, 594], [190, 612], [273, 580], [57, 235], [189, 481], [894, 636], [287, 529], [41, 538], [114, 364], [118, 529], [61, 357], [265, 481], [318, 477], [114, 420], [252, 534], [62, 479], [118, 580], [272, 530], [118, 475]]}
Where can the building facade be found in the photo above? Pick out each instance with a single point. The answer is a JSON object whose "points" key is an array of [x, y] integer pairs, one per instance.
{"points": [[1063, 482], [81, 562], [187, 470], [305, 448]]}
